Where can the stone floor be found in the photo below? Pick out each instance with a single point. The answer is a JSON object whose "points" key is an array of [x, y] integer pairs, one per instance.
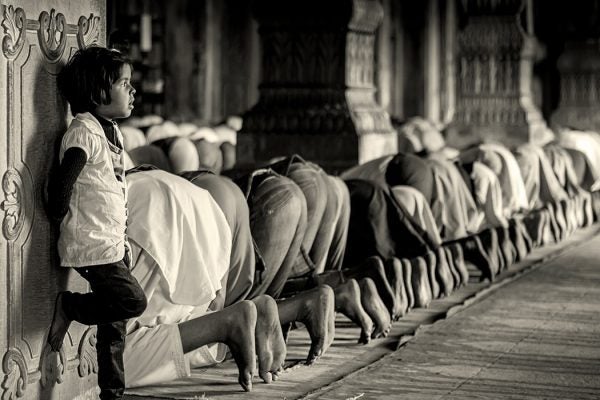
{"points": [[531, 334]]}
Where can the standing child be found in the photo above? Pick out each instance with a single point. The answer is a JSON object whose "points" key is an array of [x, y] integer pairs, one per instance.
{"points": [[88, 195]]}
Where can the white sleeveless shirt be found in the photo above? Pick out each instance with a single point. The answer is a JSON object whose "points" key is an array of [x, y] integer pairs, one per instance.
{"points": [[94, 230]]}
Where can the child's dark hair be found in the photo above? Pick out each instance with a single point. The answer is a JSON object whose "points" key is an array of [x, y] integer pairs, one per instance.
{"points": [[85, 81]]}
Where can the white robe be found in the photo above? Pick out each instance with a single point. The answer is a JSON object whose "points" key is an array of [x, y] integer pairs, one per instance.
{"points": [[181, 245]]}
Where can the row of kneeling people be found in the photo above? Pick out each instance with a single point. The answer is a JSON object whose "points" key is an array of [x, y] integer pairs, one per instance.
{"points": [[181, 147], [231, 262]]}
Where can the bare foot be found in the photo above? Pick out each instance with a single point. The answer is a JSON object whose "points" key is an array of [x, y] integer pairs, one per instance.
{"points": [[347, 301], [60, 324], [315, 308], [432, 264], [407, 274], [393, 270], [455, 274], [420, 282], [477, 256], [521, 244], [270, 346], [561, 223], [535, 225], [459, 262], [375, 308], [443, 274], [373, 268], [241, 320], [507, 249]]}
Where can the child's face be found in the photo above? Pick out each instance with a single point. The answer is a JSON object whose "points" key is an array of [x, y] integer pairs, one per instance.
{"points": [[121, 94]]}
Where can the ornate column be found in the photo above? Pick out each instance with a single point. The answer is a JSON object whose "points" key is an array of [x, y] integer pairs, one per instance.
{"points": [[494, 70], [36, 40], [579, 67], [317, 89]]}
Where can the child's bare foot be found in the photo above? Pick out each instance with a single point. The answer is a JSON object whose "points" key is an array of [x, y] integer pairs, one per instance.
{"points": [[393, 270], [347, 301], [241, 341], [270, 346], [375, 308], [60, 324]]}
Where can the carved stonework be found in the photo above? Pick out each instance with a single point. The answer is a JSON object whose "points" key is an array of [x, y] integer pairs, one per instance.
{"points": [[88, 31], [15, 375], [88, 362], [579, 68], [33, 51], [52, 35], [494, 70], [12, 187], [318, 80], [14, 28]]}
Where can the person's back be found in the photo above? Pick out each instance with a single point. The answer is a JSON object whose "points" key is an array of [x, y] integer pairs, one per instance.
{"points": [[88, 196]]}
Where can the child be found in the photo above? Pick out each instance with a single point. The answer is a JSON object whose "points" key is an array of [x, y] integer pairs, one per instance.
{"points": [[88, 195]]}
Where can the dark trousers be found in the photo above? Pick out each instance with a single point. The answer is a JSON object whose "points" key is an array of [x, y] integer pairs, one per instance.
{"points": [[116, 296]]}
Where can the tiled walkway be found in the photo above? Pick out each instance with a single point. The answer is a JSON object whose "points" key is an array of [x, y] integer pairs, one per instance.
{"points": [[535, 337]]}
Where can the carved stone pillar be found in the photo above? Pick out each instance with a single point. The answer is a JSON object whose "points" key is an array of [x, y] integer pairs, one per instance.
{"points": [[317, 90], [494, 71], [36, 40], [579, 68]]}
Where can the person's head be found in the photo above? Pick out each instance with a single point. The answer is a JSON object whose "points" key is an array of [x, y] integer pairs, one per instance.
{"points": [[98, 80]]}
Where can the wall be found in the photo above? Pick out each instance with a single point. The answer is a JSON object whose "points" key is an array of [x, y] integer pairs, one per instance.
{"points": [[37, 37]]}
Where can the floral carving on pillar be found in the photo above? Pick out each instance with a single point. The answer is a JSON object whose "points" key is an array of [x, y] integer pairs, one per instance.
{"points": [[14, 27], [15, 375], [88, 31], [88, 362], [12, 187], [52, 34]]}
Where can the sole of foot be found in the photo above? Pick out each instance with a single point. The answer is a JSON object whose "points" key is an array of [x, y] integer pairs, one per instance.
{"points": [[375, 308], [270, 346], [347, 301]]}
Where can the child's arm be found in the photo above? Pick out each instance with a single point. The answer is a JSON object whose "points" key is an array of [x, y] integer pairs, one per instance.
{"points": [[61, 186]]}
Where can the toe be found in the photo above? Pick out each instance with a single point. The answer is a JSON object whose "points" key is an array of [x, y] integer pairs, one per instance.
{"points": [[266, 376], [246, 381]]}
